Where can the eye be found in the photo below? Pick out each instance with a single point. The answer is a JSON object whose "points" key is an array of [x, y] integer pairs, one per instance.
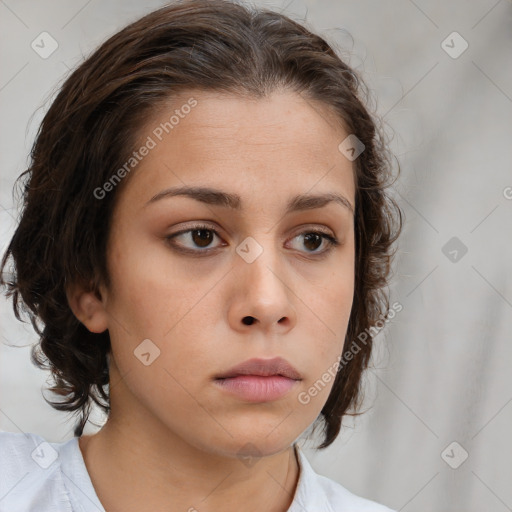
{"points": [[314, 239], [201, 236]]}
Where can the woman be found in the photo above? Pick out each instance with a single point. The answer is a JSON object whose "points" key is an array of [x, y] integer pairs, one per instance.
{"points": [[206, 238]]}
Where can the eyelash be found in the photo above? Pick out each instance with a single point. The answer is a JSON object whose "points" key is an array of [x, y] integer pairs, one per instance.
{"points": [[332, 240]]}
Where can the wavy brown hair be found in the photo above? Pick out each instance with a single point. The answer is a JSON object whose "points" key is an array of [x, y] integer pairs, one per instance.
{"points": [[90, 129]]}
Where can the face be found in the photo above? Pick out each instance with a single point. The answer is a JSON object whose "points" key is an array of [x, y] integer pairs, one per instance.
{"points": [[187, 270]]}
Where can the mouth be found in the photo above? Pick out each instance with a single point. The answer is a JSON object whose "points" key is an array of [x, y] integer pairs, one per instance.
{"points": [[259, 380], [277, 367]]}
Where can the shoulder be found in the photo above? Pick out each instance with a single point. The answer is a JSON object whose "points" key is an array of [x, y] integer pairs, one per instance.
{"points": [[29, 471], [19, 453], [340, 498], [317, 492]]}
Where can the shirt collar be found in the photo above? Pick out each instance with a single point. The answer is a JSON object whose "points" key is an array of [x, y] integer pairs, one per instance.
{"points": [[309, 495], [76, 478]]}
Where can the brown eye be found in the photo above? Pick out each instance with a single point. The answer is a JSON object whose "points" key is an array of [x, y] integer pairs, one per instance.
{"points": [[202, 237], [313, 240], [198, 241], [197, 237]]}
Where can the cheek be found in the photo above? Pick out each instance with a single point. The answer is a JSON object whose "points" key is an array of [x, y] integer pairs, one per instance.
{"points": [[330, 314], [341, 293], [153, 300], [326, 349], [331, 304], [150, 294]]}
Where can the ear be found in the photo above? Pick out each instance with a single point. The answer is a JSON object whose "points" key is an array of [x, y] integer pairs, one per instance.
{"points": [[88, 307]]}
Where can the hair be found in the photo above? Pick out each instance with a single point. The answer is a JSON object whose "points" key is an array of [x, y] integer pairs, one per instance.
{"points": [[90, 129]]}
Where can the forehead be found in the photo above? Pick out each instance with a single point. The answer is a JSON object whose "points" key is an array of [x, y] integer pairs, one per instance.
{"points": [[260, 145]]}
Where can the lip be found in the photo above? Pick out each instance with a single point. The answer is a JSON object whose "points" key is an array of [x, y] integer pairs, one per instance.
{"points": [[263, 368], [259, 380]]}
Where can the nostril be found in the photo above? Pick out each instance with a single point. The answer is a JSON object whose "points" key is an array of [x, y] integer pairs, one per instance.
{"points": [[248, 320]]}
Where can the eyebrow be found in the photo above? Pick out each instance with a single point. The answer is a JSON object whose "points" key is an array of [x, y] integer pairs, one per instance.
{"points": [[217, 197]]}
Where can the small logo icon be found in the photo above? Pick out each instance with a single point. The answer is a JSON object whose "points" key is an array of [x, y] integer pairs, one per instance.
{"points": [[146, 352], [454, 455], [454, 45], [44, 45], [454, 249], [249, 454], [249, 249], [44, 455], [351, 147]]}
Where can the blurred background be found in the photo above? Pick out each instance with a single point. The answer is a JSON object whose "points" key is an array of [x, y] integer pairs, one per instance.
{"points": [[438, 396]]}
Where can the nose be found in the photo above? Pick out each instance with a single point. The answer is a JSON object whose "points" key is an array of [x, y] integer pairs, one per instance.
{"points": [[263, 294]]}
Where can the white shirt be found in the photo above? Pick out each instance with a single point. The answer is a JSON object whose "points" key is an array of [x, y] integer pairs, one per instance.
{"points": [[38, 476]]}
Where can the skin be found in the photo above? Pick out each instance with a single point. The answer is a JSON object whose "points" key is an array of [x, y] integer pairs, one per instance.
{"points": [[174, 440]]}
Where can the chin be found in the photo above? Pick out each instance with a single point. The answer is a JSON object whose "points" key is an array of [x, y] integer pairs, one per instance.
{"points": [[253, 441], [247, 449]]}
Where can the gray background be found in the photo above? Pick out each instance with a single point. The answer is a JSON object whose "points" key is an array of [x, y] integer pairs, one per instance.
{"points": [[442, 367]]}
